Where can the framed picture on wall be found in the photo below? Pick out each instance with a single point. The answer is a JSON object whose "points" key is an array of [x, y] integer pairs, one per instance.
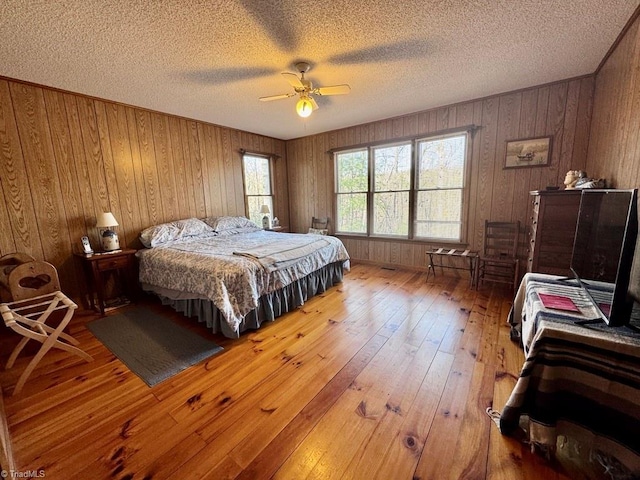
{"points": [[528, 152]]}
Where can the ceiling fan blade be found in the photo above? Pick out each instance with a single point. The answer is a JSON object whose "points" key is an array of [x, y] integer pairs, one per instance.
{"points": [[333, 90], [276, 97], [313, 103], [293, 80]]}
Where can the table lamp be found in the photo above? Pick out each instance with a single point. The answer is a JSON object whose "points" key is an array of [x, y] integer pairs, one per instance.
{"points": [[266, 219], [109, 238]]}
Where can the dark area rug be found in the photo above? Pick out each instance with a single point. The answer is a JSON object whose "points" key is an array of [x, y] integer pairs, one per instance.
{"points": [[150, 344]]}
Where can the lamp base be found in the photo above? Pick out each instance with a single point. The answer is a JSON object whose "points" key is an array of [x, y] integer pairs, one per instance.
{"points": [[266, 222], [110, 241]]}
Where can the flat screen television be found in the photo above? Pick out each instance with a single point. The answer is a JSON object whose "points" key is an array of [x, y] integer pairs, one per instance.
{"points": [[603, 249]]}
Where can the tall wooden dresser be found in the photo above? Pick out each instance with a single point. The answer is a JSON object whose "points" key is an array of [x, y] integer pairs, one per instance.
{"points": [[553, 226]]}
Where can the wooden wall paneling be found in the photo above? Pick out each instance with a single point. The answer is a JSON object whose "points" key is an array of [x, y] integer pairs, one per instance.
{"points": [[207, 183], [182, 131], [93, 164], [238, 187], [323, 173], [129, 211], [542, 112], [522, 181], [113, 196], [503, 179], [474, 231], [487, 159], [442, 118], [235, 199], [7, 245], [18, 216], [227, 202], [196, 149], [583, 124], [566, 162], [555, 127], [630, 133], [37, 147], [149, 167], [139, 178], [181, 170], [167, 192], [65, 163], [211, 172], [80, 166]]}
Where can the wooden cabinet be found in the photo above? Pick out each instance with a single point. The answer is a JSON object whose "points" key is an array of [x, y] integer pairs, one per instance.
{"points": [[553, 225]]}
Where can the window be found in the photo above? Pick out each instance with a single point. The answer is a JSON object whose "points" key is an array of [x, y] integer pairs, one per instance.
{"points": [[414, 189], [257, 185], [352, 180]]}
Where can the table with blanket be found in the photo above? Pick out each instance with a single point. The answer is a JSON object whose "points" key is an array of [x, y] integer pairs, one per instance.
{"points": [[578, 381]]}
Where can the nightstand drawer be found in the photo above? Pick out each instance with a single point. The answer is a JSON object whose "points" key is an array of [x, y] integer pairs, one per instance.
{"points": [[113, 263]]}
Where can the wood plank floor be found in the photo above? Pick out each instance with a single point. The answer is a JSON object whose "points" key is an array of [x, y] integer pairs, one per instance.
{"points": [[384, 376]]}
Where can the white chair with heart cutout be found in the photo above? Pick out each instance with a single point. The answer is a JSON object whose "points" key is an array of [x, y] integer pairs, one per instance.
{"points": [[35, 291]]}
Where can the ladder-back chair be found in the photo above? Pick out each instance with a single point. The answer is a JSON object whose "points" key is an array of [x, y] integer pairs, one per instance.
{"points": [[498, 261], [319, 225]]}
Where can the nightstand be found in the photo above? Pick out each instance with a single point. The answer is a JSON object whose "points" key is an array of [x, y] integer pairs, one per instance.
{"points": [[279, 228], [96, 264]]}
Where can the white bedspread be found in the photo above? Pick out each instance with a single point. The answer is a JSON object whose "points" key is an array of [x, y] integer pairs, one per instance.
{"points": [[233, 271]]}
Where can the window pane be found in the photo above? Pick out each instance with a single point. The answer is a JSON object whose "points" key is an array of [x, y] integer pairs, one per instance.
{"points": [[352, 171], [392, 168], [441, 163], [255, 204], [391, 213], [352, 212], [256, 175], [438, 214]]}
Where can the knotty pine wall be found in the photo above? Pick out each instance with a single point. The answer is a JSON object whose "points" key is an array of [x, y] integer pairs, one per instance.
{"points": [[561, 109], [614, 148], [66, 157]]}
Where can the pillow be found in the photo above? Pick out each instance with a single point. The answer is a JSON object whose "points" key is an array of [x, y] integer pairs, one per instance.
{"points": [[168, 232], [220, 224], [318, 231]]}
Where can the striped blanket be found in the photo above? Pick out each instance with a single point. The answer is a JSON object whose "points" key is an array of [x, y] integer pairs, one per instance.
{"points": [[580, 381]]}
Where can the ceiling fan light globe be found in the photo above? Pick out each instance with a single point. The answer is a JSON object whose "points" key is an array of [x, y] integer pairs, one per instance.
{"points": [[304, 107]]}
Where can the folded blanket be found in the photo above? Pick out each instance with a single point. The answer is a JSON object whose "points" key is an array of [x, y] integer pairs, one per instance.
{"points": [[279, 254]]}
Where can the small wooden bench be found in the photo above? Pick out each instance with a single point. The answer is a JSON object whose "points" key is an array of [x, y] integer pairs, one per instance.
{"points": [[469, 262]]}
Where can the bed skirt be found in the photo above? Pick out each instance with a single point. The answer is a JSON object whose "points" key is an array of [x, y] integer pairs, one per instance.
{"points": [[270, 305]]}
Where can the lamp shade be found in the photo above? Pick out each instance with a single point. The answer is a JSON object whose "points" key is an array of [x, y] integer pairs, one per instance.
{"points": [[105, 220], [265, 209]]}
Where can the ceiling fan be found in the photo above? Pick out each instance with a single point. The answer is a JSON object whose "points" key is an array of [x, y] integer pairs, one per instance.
{"points": [[305, 90]]}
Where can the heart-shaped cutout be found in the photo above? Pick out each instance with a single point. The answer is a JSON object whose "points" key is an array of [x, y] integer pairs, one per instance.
{"points": [[35, 283]]}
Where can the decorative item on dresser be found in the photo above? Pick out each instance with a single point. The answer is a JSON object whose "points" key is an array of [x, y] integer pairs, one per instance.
{"points": [[553, 226]]}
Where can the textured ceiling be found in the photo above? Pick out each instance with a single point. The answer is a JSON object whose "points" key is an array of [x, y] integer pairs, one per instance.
{"points": [[211, 60]]}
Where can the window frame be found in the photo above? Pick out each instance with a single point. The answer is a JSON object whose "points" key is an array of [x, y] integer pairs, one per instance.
{"points": [[272, 195], [467, 132]]}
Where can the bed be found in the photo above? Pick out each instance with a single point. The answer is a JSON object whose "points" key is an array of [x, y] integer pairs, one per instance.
{"points": [[234, 276]]}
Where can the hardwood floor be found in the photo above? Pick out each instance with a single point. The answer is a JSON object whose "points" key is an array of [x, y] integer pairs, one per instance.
{"points": [[384, 376]]}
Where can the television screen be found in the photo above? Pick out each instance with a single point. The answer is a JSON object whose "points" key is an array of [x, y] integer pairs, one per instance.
{"points": [[603, 250]]}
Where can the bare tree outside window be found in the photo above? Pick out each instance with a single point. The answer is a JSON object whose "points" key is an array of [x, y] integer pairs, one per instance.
{"points": [[375, 194]]}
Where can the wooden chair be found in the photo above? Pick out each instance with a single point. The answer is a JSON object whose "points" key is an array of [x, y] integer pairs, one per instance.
{"points": [[319, 225], [7, 263], [498, 261], [36, 294]]}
